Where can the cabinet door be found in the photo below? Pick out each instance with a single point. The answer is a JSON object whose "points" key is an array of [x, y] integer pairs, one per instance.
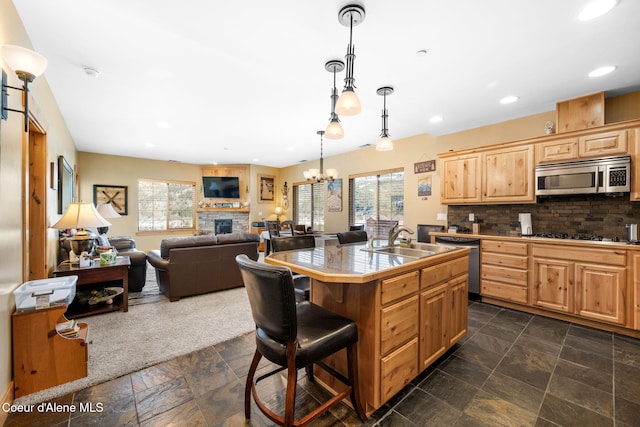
{"points": [[461, 179], [398, 369], [603, 144], [507, 175], [553, 284], [434, 316], [557, 150], [600, 292], [458, 295], [399, 324], [633, 139]]}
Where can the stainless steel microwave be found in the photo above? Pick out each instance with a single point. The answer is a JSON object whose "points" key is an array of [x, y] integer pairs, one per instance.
{"points": [[607, 175]]}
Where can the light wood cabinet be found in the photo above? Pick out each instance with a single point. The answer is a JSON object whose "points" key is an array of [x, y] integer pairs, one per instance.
{"points": [[508, 175], [503, 270], [443, 308], [557, 150], [634, 262], [495, 176], [603, 144], [633, 139], [461, 179], [41, 357], [590, 283]]}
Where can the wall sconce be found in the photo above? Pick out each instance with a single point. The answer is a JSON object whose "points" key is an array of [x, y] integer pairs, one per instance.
{"points": [[27, 65]]}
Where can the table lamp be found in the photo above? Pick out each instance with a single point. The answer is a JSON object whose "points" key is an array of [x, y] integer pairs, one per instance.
{"points": [[278, 212], [81, 216], [106, 211]]}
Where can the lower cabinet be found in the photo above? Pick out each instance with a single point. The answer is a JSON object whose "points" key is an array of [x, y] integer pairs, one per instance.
{"points": [[503, 270], [590, 283]]}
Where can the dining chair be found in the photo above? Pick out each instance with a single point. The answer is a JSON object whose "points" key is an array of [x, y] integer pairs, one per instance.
{"points": [[356, 227], [301, 282], [352, 236], [295, 336]]}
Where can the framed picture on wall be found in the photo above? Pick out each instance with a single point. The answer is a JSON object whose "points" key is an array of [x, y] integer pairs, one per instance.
{"points": [[116, 195], [266, 188], [66, 184], [334, 195]]}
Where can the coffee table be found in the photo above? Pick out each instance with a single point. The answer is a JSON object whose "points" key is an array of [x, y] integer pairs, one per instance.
{"points": [[94, 274]]}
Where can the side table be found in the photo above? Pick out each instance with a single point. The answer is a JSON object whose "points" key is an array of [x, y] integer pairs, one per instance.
{"points": [[97, 273]]}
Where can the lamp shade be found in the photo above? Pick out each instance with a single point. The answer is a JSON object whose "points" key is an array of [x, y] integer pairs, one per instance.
{"points": [[384, 144], [278, 210], [106, 211], [81, 215], [22, 59], [348, 104], [334, 130]]}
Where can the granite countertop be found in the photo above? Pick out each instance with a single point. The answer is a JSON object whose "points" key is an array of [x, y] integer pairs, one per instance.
{"points": [[608, 243], [353, 263]]}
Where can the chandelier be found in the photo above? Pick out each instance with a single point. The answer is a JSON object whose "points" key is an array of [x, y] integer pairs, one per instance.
{"points": [[319, 175]]}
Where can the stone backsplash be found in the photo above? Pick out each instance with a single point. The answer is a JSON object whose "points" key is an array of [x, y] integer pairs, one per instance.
{"points": [[596, 215]]}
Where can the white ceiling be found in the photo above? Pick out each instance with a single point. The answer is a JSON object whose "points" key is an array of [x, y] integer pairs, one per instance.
{"points": [[244, 82]]}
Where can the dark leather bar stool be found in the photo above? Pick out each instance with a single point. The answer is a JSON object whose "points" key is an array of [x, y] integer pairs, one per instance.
{"points": [[352, 236], [301, 283], [294, 336]]}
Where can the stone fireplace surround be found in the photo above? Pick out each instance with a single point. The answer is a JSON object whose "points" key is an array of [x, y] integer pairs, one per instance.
{"points": [[206, 221]]}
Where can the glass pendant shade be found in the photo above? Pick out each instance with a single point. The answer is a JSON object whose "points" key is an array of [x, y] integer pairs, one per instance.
{"points": [[22, 60], [334, 130], [348, 104], [332, 173], [384, 144]]}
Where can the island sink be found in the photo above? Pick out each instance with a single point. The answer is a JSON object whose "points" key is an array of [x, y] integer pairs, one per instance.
{"points": [[413, 250]]}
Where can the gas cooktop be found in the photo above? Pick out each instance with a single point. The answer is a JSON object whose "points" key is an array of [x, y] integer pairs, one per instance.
{"points": [[579, 236]]}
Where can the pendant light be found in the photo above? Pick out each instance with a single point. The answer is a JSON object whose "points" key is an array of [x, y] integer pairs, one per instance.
{"points": [[385, 143], [319, 175], [348, 104], [334, 128]]}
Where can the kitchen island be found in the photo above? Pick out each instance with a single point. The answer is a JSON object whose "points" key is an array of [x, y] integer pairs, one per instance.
{"points": [[409, 310]]}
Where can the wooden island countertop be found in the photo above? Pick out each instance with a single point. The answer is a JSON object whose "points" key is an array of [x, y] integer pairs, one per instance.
{"points": [[409, 311]]}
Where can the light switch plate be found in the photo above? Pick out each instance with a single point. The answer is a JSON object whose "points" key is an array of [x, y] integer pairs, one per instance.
{"points": [[472, 217], [442, 217]]}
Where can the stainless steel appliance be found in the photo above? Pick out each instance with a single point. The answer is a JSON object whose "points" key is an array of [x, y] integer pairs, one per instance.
{"points": [[608, 175], [474, 259], [632, 232]]}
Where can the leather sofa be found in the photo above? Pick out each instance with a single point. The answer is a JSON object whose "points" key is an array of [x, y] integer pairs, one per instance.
{"points": [[124, 246], [196, 265]]}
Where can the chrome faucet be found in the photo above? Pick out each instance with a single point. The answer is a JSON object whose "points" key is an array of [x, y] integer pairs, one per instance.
{"points": [[395, 231]]}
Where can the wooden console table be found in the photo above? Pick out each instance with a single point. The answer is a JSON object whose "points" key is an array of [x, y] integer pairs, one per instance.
{"points": [[96, 274]]}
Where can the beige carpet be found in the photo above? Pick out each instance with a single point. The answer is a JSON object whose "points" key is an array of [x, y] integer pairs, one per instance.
{"points": [[155, 330]]}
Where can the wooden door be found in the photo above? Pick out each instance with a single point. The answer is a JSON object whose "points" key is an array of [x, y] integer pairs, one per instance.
{"points": [[553, 284], [434, 316], [458, 319], [600, 292], [508, 175], [35, 204], [461, 179]]}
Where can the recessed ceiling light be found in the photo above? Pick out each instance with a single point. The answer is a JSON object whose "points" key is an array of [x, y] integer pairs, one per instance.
{"points": [[90, 71], [602, 71], [596, 8], [436, 119], [291, 148], [256, 160], [149, 144], [162, 124], [509, 99]]}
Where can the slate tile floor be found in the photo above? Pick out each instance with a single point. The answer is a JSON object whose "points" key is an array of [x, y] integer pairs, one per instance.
{"points": [[511, 369]]}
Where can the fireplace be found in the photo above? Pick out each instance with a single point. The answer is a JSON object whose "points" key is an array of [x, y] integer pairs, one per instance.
{"points": [[223, 226]]}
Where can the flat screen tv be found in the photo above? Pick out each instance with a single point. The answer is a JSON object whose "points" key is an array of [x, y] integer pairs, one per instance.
{"points": [[223, 187]]}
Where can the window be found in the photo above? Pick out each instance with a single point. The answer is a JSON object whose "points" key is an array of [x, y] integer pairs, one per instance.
{"points": [[166, 205], [377, 200], [309, 200]]}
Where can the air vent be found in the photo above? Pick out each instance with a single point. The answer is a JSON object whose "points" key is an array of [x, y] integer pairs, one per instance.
{"points": [[365, 146]]}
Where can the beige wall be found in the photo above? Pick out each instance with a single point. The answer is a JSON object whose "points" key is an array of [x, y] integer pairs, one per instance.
{"points": [[12, 139]]}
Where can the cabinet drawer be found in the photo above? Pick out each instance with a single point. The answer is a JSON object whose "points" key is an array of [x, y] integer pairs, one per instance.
{"points": [[503, 291], [510, 248], [398, 287], [398, 368], [504, 274], [399, 323], [573, 253], [512, 261], [439, 273]]}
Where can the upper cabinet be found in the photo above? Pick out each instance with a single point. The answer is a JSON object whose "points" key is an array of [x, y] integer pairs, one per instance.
{"points": [[496, 176], [461, 179], [505, 173]]}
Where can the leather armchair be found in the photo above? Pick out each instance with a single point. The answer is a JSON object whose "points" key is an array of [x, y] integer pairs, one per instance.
{"points": [[138, 271]]}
